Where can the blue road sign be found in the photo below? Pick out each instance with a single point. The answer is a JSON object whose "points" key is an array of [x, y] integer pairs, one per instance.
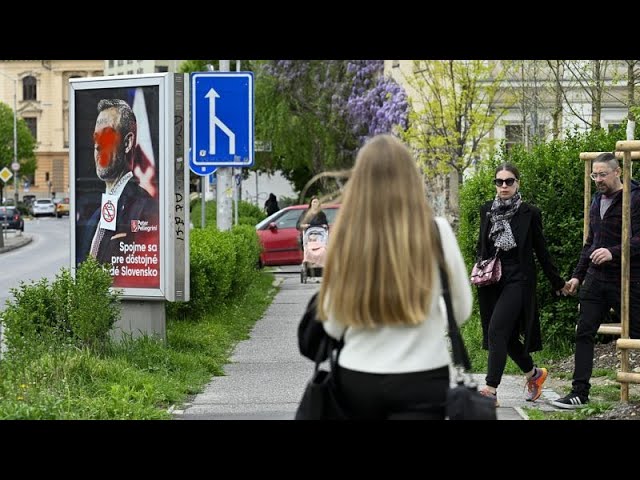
{"points": [[221, 120], [202, 170]]}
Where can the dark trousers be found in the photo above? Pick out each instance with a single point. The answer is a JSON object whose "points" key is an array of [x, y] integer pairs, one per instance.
{"points": [[397, 396], [504, 331], [596, 299]]}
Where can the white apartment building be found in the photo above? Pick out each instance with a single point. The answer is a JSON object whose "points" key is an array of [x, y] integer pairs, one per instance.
{"points": [[134, 67], [576, 103]]}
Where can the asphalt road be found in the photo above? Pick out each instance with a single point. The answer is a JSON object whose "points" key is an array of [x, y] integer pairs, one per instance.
{"points": [[43, 257]]}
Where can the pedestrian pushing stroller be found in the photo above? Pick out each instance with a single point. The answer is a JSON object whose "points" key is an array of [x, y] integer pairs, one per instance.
{"points": [[314, 246]]}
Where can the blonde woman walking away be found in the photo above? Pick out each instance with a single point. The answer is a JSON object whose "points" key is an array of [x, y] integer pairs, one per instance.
{"points": [[382, 289]]}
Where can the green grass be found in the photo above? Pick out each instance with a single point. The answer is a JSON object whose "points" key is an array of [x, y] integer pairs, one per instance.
{"points": [[603, 372], [134, 379]]}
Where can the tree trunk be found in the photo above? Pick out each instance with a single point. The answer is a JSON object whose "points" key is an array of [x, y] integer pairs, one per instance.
{"points": [[557, 107], [437, 193], [631, 117], [596, 103], [454, 204]]}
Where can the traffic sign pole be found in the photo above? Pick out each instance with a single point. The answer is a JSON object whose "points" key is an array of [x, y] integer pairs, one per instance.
{"points": [[222, 130]]}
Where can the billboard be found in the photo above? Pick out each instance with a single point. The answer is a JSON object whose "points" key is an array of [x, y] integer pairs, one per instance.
{"points": [[123, 171]]}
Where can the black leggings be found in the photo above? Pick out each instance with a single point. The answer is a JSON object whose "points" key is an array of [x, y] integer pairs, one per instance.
{"points": [[504, 337], [396, 396]]}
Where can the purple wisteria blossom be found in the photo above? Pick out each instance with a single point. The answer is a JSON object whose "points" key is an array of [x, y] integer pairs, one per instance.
{"points": [[355, 91], [376, 104]]}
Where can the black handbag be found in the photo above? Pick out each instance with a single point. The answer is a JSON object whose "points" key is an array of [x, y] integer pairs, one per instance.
{"points": [[313, 342], [464, 402], [321, 397]]}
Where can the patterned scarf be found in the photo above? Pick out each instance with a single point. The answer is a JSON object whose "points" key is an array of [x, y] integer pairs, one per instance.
{"points": [[501, 212]]}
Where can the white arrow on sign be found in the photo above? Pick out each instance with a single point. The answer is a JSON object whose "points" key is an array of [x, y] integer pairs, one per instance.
{"points": [[212, 95]]}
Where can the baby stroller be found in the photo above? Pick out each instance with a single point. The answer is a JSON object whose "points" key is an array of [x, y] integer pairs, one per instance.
{"points": [[314, 246]]}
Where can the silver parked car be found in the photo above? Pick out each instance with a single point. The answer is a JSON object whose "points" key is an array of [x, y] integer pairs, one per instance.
{"points": [[43, 206]]}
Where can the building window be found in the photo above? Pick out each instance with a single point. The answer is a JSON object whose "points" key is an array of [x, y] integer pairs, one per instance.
{"points": [[540, 133], [129, 62], [110, 63], [32, 123], [613, 126], [29, 91], [140, 70], [512, 136], [120, 62], [161, 69], [129, 72], [65, 128]]}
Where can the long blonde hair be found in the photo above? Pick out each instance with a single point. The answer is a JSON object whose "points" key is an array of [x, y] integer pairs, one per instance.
{"points": [[380, 259]]}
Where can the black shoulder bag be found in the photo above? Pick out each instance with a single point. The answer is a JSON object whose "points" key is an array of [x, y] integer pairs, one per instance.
{"points": [[464, 402], [313, 342]]}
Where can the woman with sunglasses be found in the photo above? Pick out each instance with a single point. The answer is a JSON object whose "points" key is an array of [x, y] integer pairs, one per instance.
{"points": [[512, 230]]}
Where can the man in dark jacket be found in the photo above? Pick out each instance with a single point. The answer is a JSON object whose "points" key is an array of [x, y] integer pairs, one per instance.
{"points": [[598, 271], [271, 205]]}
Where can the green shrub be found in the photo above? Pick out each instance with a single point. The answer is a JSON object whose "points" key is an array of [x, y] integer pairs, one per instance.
{"points": [[248, 214], [248, 249], [68, 311], [287, 201], [212, 265]]}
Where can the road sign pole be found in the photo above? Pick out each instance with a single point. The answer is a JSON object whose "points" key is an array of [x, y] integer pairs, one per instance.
{"points": [[15, 165], [237, 185], [204, 180], [222, 127], [224, 185]]}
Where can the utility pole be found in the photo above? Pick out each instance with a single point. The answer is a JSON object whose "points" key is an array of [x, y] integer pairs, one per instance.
{"points": [[224, 179], [15, 165], [237, 180]]}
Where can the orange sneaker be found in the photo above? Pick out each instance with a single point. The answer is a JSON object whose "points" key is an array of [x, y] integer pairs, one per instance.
{"points": [[534, 384], [487, 393]]}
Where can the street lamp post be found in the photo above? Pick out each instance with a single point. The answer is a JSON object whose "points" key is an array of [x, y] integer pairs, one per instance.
{"points": [[15, 137], [15, 142]]}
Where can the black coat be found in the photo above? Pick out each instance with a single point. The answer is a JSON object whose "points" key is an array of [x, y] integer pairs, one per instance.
{"points": [[529, 238]]}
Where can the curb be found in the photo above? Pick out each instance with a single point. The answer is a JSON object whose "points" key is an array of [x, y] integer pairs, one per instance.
{"points": [[25, 240]]}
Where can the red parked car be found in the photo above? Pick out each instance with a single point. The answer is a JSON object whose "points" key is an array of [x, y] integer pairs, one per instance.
{"points": [[279, 236]]}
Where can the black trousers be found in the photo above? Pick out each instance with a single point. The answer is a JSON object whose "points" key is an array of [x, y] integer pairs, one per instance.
{"points": [[397, 396], [596, 298], [504, 331]]}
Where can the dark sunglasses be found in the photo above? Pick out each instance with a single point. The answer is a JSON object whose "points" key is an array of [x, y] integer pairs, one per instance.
{"points": [[500, 181]]}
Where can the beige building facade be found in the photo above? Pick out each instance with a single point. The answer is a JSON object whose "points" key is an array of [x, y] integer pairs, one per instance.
{"points": [[42, 98]]}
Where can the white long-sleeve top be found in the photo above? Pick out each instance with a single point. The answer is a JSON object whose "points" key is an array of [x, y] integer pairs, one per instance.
{"points": [[403, 349]]}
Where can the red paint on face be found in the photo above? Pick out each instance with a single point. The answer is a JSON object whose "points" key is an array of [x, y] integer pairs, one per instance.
{"points": [[106, 142]]}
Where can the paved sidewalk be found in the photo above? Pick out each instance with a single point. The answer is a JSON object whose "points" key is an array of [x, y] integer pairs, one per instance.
{"points": [[13, 240], [267, 375]]}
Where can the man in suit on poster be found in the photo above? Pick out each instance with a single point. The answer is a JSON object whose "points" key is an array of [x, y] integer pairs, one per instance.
{"points": [[127, 213]]}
